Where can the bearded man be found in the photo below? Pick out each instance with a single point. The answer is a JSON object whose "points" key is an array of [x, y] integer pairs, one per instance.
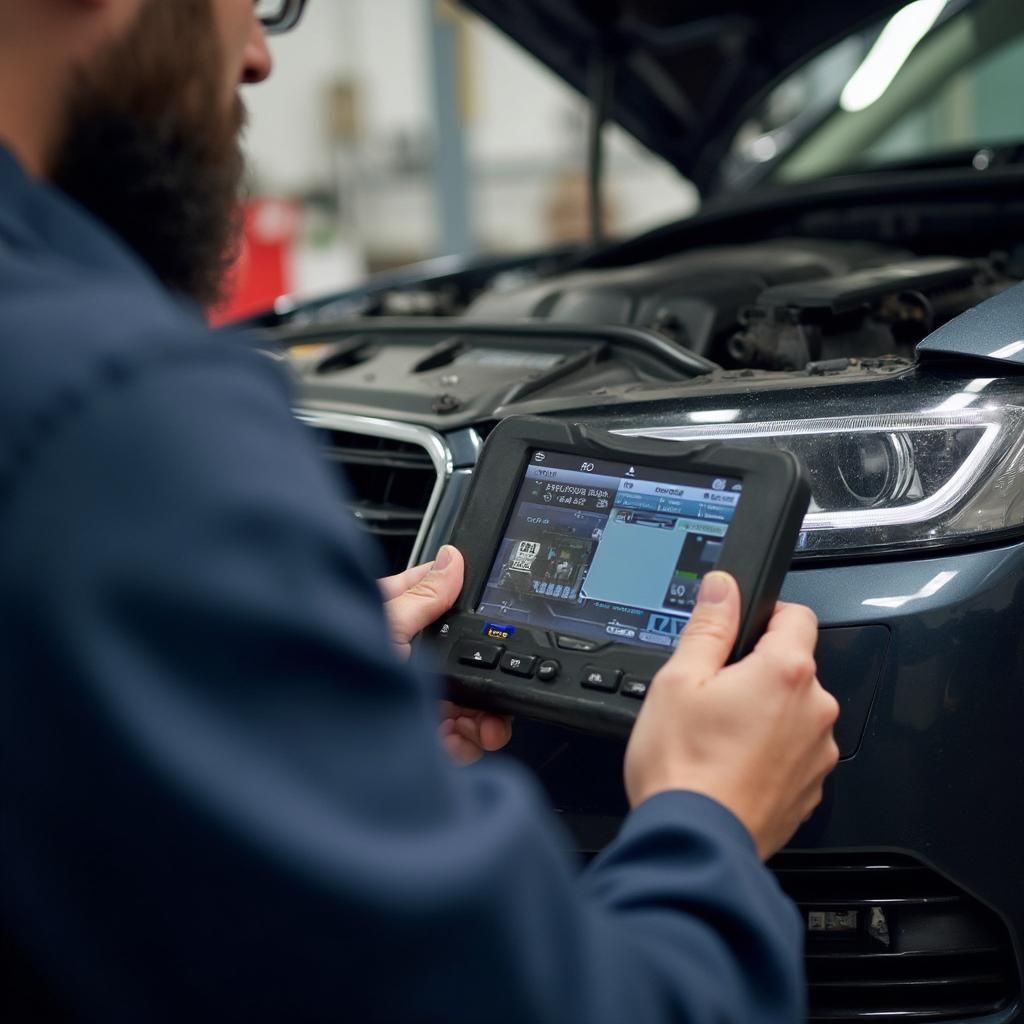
{"points": [[222, 788]]}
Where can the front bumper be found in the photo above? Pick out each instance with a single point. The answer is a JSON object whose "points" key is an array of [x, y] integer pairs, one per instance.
{"points": [[938, 770]]}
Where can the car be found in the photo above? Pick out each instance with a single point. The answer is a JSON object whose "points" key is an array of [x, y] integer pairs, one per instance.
{"points": [[850, 291]]}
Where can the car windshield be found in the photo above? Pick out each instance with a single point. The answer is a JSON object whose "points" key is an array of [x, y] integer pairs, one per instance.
{"points": [[938, 84]]}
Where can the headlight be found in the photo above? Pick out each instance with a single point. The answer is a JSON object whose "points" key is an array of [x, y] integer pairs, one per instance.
{"points": [[875, 470], [897, 480]]}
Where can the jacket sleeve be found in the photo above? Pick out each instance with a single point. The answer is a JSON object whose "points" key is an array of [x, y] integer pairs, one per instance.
{"points": [[224, 798]]}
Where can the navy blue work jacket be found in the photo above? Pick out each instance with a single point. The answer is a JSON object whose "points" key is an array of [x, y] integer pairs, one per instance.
{"points": [[222, 796]]}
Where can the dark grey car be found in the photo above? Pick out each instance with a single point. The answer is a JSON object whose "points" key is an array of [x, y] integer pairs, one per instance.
{"points": [[850, 291]]}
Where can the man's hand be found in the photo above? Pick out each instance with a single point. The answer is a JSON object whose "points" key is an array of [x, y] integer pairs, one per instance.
{"points": [[414, 599], [755, 736]]}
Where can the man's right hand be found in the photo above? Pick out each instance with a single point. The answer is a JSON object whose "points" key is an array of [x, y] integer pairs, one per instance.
{"points": [[755, 736]]}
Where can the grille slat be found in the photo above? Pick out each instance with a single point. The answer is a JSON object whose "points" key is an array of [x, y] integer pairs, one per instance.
{"points": [[875, 900], [386, 514], [354, 457], [390, 482], [992, 978], [978, 951], [951, 1011], [805, 868], [889, 939]]}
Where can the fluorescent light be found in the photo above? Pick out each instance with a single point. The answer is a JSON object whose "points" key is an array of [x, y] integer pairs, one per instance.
{"points": [[895, 44], [764, 148]]}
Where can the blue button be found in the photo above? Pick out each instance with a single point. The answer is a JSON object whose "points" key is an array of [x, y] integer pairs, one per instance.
{"points": [[495, 631]]}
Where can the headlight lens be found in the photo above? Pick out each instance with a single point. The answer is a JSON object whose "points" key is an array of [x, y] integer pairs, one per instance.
{"points": [[899, 480], [875, 470]]}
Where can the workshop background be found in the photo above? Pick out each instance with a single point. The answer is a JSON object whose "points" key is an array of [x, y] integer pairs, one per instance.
{"points": [[396, 131]]}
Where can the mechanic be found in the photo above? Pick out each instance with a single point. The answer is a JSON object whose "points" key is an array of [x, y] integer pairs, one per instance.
{"points": [[223, 793]]}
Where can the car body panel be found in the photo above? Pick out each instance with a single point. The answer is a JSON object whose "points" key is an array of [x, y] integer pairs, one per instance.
{"points": [[992, 330], [922, 636], [945, 721]]}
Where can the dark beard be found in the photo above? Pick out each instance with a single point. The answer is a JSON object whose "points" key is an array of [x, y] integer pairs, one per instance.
{"points": [[150, 151]]}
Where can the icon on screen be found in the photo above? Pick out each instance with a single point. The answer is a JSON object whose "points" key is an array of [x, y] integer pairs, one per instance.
{"points": [[539, 457], [631, 471], [719, 485]]}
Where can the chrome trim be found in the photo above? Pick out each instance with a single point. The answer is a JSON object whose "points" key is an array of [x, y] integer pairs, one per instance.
{"points": [[433, 443], [452, 500], [466, 446]]}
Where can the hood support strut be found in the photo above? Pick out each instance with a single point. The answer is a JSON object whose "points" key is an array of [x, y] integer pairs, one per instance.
{"points": [[603, 66]]}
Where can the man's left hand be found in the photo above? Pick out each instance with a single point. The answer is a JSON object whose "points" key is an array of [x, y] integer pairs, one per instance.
{"points": [[414, 599]]}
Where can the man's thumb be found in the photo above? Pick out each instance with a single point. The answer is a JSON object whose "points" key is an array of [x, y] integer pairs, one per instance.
{"points": [[429, 599], [710, 634]]}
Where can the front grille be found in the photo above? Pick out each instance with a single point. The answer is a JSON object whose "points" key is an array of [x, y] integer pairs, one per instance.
{"points": [[391, 483], [890, 939]]}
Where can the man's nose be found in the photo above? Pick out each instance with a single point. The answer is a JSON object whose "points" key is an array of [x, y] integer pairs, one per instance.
{"points": [[258, 62]]}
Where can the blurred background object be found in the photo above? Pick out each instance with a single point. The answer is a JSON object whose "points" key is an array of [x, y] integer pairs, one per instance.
{"points": [[394, 131]]}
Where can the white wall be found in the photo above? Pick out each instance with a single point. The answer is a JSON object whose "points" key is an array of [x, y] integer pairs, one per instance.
{"points": [[286, 138], [525, 129]]}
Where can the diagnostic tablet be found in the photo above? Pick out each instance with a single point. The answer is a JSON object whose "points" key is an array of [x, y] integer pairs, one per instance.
{"points": [[584, 553]]}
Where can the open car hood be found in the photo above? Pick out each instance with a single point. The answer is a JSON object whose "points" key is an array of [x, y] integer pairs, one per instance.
{"points": [[685, 71]]}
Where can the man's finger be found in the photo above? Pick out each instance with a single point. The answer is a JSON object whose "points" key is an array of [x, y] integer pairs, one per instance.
{"points": [[461, 750], [394, 586], [495, 732], [710, 634], [428, 599], [795, 624], [468, 728]]}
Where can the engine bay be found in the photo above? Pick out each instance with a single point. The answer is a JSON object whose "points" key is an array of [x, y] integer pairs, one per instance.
{"points": [[769, 313], [776, 305]]}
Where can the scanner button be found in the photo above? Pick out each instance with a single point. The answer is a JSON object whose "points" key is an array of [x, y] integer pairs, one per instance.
{"points": [[518, 664], [633, 687], [548, 670], [480, 655], [574, 643], [606, 680]]}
